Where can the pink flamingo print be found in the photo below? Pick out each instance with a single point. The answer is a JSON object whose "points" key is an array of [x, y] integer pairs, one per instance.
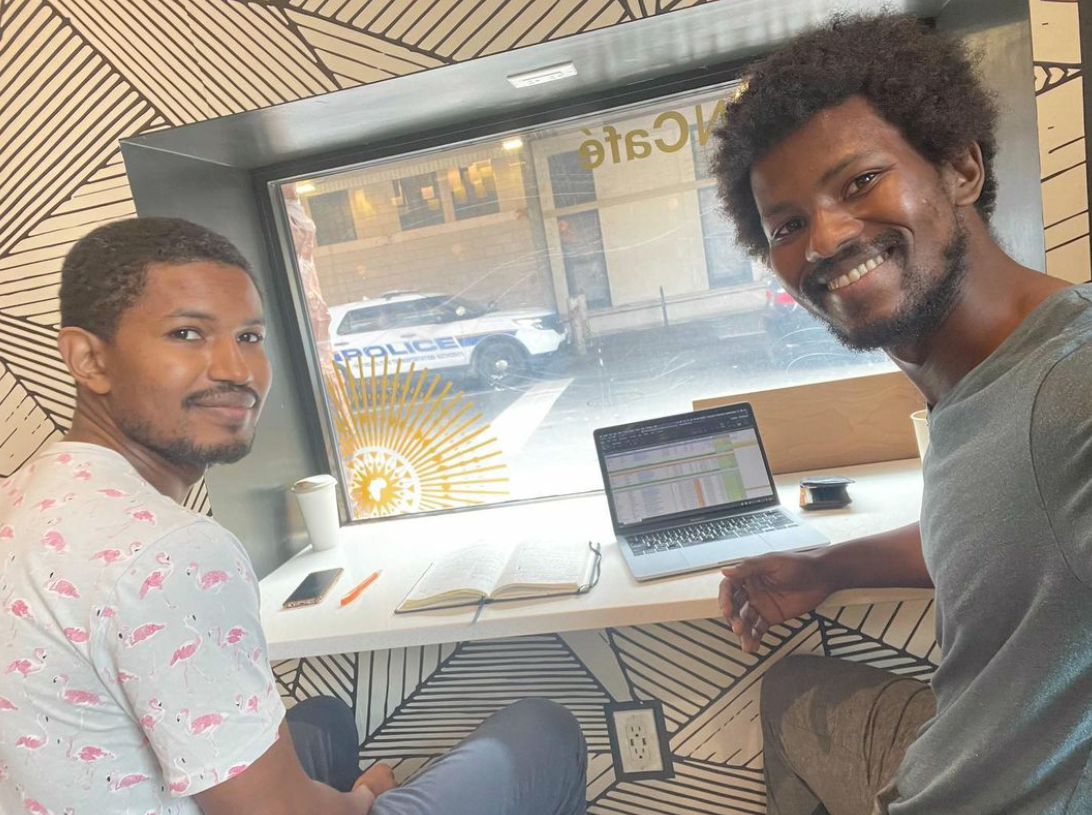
{"points": [[6, 704], [88, 754], [207, 580], [6, 532], [26, 667], [54, 540], [234, 636], [45, 504], [149, 720], [125, 676], [142, 515], [78, 698], [250, 706], [35, 808], [110, 492], [140, 634], [19, 608], [236, 770], [30, 741], [126, 781], [156, 578], [76, 635], [34, 741], [109, 556], [183, 784], [83, 475], [64, 458], [205, 724], [187, 649], [61, 587]]}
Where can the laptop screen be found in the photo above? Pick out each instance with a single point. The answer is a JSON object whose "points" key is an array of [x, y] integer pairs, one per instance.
{"points": [[692, 464]]}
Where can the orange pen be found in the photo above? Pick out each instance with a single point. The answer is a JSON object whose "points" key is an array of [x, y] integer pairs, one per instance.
{"points": [[367, 581]]}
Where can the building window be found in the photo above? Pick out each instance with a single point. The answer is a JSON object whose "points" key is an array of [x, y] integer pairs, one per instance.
{"points": [[418, 201], [333, 217], [476, 356], [572, 183], [473, 190], [580, 234]]}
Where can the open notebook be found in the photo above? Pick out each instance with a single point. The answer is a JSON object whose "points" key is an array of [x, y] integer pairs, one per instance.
{"points": [[489, 573]]}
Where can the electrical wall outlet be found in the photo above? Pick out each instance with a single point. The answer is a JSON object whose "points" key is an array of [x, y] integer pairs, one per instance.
{"points": [[638, 739]]}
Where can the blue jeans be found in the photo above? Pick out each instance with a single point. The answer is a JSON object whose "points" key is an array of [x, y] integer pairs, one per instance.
{"points": [[527, 759]]}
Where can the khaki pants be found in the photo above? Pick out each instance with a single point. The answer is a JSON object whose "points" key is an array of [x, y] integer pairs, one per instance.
{"points": [[835, 732]]}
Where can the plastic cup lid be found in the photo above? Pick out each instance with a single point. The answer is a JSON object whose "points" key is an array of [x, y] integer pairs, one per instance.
{"points": [[314, 482]]}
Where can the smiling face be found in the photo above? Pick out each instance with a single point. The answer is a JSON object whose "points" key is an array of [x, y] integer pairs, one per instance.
{"points": [[862, 229], [187, 367]]}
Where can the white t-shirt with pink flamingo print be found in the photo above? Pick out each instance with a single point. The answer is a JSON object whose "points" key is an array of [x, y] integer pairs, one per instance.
{"points": [[133, 669]]}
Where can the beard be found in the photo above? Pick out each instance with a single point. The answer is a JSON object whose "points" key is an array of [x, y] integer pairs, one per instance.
{"points": [[184, 452], [928, 303]]}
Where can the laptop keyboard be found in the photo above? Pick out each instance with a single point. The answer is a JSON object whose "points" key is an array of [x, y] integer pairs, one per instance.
{"points": [[736, 526]]}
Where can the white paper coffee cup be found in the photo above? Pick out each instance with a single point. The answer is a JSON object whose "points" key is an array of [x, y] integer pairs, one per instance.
{"points": [[317, 496]]}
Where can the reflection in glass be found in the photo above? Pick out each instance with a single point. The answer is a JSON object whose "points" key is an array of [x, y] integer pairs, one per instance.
{"points": [[478, 310]]}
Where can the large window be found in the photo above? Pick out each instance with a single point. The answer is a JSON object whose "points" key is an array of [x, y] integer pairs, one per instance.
{"points": [[511, 294]]}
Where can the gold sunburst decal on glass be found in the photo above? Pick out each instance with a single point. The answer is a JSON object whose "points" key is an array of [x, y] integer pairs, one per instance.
{"points": [[411, 444]]}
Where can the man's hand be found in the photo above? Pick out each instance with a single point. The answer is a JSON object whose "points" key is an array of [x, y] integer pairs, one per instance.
{"points": [[767, 590], [770, 589], [378, 778]]}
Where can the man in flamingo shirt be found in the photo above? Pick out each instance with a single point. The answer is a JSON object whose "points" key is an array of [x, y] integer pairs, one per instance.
{"points": [[133, 669]]}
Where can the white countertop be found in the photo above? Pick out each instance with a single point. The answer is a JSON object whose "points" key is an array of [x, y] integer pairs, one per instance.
{"points": [[885, 496]]}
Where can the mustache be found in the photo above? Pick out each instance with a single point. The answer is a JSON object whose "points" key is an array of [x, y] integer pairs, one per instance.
{"points": [[824, 269], [215, 395]]}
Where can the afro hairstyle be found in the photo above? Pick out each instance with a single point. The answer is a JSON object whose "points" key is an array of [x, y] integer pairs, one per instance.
{"points": [[922, 82]]}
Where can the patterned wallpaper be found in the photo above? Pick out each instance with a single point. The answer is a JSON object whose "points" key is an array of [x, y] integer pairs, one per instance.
{"points": [[78, 75], [1063, 150], [708, 687]]}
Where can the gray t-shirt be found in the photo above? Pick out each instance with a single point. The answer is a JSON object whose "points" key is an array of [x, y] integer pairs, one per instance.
{"points": [[1007, 535]]}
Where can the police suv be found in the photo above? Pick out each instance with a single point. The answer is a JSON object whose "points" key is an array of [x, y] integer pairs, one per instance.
{"points": [[440, 331]]}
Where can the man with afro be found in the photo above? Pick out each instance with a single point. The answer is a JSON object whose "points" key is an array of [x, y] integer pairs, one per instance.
{"points": [[856, 163]]}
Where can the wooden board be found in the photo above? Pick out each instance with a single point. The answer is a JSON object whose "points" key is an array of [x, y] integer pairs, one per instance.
{"points": [[834, 424]]}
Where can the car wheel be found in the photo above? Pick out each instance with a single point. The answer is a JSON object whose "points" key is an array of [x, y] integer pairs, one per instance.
{"points": [[500, 364]]}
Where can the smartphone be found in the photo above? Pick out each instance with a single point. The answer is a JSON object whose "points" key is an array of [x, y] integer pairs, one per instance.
{"points": [[313, 588]]}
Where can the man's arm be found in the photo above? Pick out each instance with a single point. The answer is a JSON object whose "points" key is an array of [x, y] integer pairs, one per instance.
{"points": [[767, 590], [276, 784], [887, 560]]}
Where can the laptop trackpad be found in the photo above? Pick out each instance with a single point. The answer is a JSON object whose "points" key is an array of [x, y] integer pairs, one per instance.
{"points": [[715, 553]]}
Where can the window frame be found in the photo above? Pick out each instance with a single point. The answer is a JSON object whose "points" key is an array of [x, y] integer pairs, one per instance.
{"points": [[267, 183]]}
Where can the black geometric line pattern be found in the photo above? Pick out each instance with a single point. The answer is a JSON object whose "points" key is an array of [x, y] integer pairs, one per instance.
{"points": [[409, 716], [898, 637], [1050, 75], [1060, 93], [478, 679]]}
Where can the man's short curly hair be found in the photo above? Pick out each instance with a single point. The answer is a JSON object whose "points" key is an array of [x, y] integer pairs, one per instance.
{"points": [[922, 82], [105, 271]]}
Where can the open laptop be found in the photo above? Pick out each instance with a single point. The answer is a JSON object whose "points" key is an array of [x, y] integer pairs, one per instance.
{"points": [[694, 491]]}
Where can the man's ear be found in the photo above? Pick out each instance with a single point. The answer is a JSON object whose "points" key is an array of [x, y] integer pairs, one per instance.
{"points": [[964, 176], [85, 355]]}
